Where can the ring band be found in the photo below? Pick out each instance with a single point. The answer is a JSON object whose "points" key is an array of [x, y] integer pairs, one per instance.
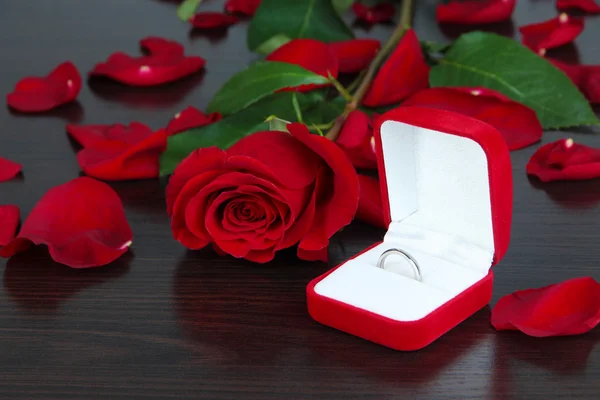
{"points": [[389, 252]]}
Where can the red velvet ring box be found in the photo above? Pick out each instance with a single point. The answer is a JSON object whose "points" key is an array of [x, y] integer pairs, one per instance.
{"points": [[446, 183]]}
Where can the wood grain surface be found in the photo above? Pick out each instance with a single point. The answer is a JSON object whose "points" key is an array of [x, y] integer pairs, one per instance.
{"points": [[165, 323]]}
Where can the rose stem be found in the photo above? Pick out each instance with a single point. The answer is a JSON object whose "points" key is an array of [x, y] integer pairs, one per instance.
{"points": [[403, 26]]}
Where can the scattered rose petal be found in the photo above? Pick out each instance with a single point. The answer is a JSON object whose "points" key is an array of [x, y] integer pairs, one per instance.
{"points": [[565, 160], [212, 20], [390, 85], [585, 77], [310, 54], [475, 11], [370, 205], [34, 94], [588, 6], [156, 45], [165, 63], [82, 222], [117, 152], [382, 12], [356, 54], [8, 169], [356, 139], [9, 221], [571, 307], [552, 33], [590, 85], [246, 7], [517, 123], [190, 118]]}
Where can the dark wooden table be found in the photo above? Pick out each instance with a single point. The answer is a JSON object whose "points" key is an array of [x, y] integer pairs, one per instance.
{"points": [[165, 323]]}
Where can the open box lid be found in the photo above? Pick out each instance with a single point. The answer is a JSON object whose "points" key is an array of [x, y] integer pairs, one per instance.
{"points": [[447, 173]]}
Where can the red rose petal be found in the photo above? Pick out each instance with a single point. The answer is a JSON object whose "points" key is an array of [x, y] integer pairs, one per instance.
{"points": [[124, 158], [337, 193], [552, 33], [246, 7], [190, 118], [310, 54], [9, 221], [295, 165], [585, 77], [517, 123], [8, 169], [356, 140], [590, 85], [571, 307], [475, 11], [356, 54], [589, 6], [199, 161], [382, 12], [212, 20], [564, 160], [34, 94], [166, 63], [82, 222], [370, 205], [390, 85], [89, 135]]}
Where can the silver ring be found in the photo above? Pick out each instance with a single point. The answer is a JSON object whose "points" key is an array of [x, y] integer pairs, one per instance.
{"points": [[389, 252]]}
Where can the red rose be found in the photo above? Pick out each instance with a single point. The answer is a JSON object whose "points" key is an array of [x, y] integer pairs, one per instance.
{"points": [[270, 191]]}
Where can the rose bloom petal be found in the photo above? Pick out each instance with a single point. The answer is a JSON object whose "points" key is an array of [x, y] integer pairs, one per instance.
{"points": [[212, 20], [370, 205], [9, 221], [475, 11], [310, 54], [116, 160], [588, 6], [246, 7], [565, 160], [8, 169], [82, 222], [356, 54], [295, 165], [552, 33], [198, 162], [190, 118], [165, 63], [33, 94], [356, 140], [517, 123], [571, 307], [336, 195], [382, 12], [390, 84]]}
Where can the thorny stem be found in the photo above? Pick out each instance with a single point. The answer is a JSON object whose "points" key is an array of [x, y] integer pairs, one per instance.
{"points": [[401, 28]]}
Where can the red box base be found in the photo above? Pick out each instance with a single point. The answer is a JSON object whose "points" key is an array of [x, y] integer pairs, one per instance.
{"points": [[398, 335]]}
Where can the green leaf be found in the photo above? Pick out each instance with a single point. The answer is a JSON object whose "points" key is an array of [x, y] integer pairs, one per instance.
{"points": [[324, 112], [187, 9], [272, 44], [341, 5], [258, 81], [502, 64], [315, 19], [229, 130]]}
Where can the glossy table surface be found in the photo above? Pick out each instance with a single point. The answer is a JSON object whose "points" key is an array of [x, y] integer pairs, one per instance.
{"points": [[165, 323]]}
